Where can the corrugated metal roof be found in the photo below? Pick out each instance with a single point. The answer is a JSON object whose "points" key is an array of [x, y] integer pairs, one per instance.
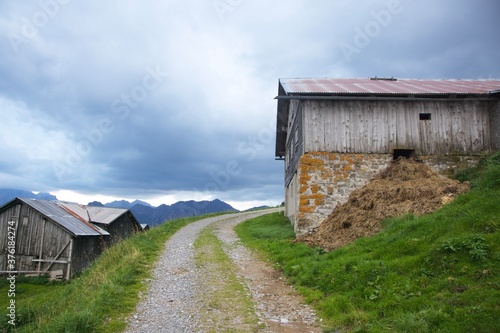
{"points": [[388, 86], [103, 215], [65, 219]]}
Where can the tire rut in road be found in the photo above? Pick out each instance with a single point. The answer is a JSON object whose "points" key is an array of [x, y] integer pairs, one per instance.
{"points": [[225, 303], [278, 306], [176, 299]]}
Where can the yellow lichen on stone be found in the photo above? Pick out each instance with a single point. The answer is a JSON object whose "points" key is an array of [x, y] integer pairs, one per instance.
{"points": [[306, 209], [315, 188]]}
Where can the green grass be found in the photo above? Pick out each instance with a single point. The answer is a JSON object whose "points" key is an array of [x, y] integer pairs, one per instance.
{"points": [[435, 273], [226, 305], [100, 299]]}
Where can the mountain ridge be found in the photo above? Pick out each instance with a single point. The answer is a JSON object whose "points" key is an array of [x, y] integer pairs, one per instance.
{"points": [[143, 211], [8, 194], [153, 216]]}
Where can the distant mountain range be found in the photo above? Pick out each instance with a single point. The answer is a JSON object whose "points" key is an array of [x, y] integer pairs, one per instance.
{"points": [[144, 212], [120, 204], [7, 195]]}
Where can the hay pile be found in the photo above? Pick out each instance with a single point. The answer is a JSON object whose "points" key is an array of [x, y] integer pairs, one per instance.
{"points": [[406, 186]]}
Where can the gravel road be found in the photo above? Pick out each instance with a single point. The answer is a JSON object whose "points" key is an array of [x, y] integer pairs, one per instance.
{"points": [[171, 303]]}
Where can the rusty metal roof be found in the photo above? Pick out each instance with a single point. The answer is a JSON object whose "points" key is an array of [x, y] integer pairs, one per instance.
{"points": [[388, 86], [103, 215], [64, 218]]}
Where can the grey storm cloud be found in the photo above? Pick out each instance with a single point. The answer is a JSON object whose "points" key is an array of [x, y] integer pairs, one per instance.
{"points": [[138, 97]]}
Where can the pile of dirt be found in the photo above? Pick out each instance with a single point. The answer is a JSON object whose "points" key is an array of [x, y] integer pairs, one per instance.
{"points": [[406, 186]]}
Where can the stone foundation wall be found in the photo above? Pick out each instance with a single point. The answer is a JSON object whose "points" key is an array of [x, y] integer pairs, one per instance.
{"points": [[449, 165], [325, 179]]}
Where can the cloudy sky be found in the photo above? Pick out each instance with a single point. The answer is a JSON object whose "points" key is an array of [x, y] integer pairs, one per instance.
{"points": [[174, 100]]}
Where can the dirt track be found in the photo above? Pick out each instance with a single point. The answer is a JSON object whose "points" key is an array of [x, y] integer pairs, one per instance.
{"points": [[277, 304], [174, 301]]}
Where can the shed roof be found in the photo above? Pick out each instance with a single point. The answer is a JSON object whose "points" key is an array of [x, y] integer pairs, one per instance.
{"points": [[388, 86], [65, 219], [102, 215]]}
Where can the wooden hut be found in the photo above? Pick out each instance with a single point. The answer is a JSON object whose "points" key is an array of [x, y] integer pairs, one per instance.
{"points": [[58, 238], [120, 223], [335, 134], [47, 238]]}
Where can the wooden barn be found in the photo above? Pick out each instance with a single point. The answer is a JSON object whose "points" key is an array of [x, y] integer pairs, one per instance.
{"points": [[55, 237], [120, 223], [336, 134]]}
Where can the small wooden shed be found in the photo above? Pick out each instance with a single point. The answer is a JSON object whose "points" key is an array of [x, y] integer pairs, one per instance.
{"points": [[120, 223], [47, 238], [335, 134], [54, 236]]}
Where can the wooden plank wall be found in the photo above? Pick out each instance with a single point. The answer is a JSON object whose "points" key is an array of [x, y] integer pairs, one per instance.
{"points": [[494, 108], [295, 139], [456, 127], [85, 251], [5, 217], [29, 240], [30, 227], [122, 228]]}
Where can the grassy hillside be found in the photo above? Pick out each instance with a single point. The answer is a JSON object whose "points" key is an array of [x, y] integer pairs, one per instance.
{"points": [[97, 301], [435, 273]]}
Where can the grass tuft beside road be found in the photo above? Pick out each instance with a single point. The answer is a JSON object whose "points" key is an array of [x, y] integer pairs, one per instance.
{"points": [[226, 304]]}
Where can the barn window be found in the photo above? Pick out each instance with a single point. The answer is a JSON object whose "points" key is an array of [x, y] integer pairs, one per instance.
{"points": [[407, 153], [425, 116]]}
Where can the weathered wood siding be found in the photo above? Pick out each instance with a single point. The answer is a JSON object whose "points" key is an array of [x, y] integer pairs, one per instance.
{"points": [[294, 140], [292, 198], [495, 125], [85, 251], [37, 237], [123, 227], [455, 127], [11, 214]]}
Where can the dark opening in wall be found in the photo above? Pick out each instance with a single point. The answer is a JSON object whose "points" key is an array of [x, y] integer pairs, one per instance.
{"points": [[424, 116], [407, 153]]}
